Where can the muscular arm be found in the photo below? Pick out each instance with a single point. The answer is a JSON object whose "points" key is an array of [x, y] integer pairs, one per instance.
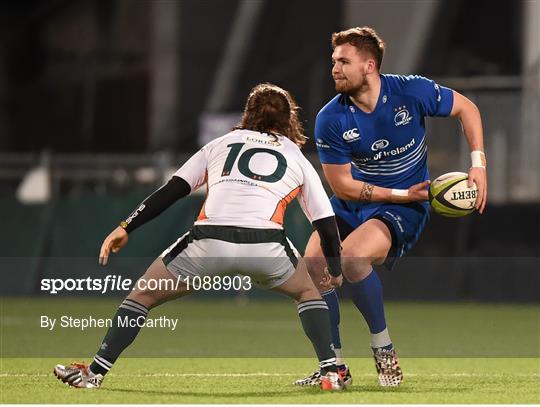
{"points": [[469, 116], [345, 187], [156, 203]]}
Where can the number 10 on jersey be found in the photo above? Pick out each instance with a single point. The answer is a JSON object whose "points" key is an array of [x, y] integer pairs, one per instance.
{"points": [[245, 158]]}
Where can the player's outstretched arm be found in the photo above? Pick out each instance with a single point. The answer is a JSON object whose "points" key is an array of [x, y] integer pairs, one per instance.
{"points": [[469, 115], [316, 206], [331, 248], [151, 207], [117, 239], [346, 187]]}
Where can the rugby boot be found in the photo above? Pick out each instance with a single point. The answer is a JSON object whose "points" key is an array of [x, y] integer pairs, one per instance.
{"points": [[332, 381], [78, 375], [345, 374], [387, 365], [313, 379]]}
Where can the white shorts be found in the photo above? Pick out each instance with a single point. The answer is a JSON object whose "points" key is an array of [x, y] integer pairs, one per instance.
{"points": [[266, 255]]}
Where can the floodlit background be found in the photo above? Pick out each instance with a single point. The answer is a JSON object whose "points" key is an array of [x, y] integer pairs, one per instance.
{"points": [[102, 99]]}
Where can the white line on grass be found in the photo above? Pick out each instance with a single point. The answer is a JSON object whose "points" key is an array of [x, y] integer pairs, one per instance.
{"points": [[167, 374], [263, 374]]}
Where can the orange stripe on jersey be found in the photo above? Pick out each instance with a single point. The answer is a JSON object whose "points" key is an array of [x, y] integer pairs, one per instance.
{"points": [[202, 213], [279, 213]]}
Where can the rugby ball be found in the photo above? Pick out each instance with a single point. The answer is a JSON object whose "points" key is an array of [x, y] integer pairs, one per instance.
{"points": [[450, 196]]}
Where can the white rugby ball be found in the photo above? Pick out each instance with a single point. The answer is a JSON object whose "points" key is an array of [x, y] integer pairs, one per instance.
{"points": [[450, 196]]}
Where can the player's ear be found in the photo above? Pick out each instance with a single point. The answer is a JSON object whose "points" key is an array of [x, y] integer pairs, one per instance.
{"points": [[371, 66]]}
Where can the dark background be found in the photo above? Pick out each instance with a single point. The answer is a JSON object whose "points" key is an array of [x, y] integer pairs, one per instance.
{"points": [[107, 96], [58, 57]]}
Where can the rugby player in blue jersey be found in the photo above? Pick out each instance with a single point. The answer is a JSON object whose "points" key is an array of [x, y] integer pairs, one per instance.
{"points": [[372, 147]]}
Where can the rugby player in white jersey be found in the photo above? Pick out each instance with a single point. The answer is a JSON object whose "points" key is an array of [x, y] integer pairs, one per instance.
{"points": [[251, 175]]}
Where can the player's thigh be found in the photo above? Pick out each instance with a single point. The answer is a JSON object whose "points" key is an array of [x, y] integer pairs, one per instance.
{"points": [[194, 257], [157, 286], [268, 264], [299, 286], [314, 259], [165, 279], [369, 243]]}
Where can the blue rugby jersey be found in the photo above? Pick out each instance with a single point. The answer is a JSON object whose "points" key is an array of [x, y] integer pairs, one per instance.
{"points": [[386, 147]]}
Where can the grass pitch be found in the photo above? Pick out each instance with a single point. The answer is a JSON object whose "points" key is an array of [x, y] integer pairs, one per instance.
{"points": [[232, 353], [265, 380]]}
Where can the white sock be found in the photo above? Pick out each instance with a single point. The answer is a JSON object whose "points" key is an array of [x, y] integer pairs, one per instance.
{"points": [[381, 339], [339, 356]]}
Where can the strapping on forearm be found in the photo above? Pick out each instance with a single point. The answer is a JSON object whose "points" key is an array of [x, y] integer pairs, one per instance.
{"points": [[478, 159]]}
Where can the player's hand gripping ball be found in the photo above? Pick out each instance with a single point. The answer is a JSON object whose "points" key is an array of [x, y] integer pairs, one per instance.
{"points": [[450, 196]]}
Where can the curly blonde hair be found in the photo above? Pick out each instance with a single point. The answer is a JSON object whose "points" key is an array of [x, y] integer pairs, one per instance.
{"points": [[271, 109]]}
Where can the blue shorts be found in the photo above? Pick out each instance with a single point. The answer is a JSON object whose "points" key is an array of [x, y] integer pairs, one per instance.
{"points": [[405, 222]]}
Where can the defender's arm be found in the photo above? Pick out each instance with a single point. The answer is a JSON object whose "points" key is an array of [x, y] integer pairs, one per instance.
{"points": [[151, 207], [188, 178]]}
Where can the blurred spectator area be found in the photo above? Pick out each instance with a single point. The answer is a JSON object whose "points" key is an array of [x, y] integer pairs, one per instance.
{"points": [[100, 100], [124, 76], [132, 76]]}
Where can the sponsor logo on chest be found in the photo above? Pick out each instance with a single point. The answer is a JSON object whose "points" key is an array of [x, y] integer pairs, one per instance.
{"points": [[380, 144], [381, 155], [351, 135]]}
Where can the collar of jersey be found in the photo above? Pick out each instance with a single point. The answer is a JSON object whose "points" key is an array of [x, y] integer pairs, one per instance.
{"points": [[384, 91]]}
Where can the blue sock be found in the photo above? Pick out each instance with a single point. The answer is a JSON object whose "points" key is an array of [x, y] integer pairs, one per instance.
{"points": [[367, 295], [332, 301]]}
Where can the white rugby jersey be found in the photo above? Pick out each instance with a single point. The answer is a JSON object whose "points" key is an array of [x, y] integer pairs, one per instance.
{"points": [[251, 177]]}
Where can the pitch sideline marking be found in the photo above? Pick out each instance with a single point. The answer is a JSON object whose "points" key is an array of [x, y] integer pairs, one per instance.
{"points": [[262, 374]]}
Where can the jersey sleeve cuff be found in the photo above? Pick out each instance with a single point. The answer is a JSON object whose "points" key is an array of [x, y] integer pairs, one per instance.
{"points": [[337, 161], [447, 101]]}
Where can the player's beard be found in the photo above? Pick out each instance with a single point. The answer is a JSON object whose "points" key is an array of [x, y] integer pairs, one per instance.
{"points": [[351, 89]]}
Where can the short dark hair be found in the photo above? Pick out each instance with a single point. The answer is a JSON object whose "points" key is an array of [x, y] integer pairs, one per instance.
{"points": [[271, 109], [364, 39]]}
